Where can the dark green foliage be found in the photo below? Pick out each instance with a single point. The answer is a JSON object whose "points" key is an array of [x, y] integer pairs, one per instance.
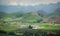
{"points": [[3, 32], [34, 32], [30, 27], [11, 33]]}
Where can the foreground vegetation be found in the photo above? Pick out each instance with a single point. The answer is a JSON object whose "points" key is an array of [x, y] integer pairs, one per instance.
{"points": [[31, 32]]}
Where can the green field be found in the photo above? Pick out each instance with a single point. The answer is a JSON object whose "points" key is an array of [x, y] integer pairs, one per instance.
{"points": [[43, 26]]}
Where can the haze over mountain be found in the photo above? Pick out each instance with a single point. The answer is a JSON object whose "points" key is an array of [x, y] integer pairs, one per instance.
{"points": [[45, 7]]}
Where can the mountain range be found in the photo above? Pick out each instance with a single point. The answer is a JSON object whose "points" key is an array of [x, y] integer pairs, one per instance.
{"points": [[45, 7]]}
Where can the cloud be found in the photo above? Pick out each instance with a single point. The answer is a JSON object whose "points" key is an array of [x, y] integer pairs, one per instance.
{"points": [[26, 2]]}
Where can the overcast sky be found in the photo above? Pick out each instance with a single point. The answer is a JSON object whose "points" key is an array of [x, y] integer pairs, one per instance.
{"points": [[27, 2]]}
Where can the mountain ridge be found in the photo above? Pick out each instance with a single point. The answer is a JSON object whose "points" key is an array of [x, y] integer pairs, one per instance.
{"points": [[48, 8]]}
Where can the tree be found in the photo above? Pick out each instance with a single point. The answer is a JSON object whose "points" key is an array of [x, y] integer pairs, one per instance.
{"points": [[30, 27]]}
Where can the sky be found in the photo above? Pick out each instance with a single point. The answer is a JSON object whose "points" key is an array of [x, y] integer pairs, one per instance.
{"points": [[26, 2]]}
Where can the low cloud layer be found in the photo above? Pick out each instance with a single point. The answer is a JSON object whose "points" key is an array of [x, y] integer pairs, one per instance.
{"points": [[26, 2]]}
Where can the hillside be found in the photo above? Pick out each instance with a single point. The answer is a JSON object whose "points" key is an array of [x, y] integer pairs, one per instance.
{"points": [[55, 17], [31, 17]]}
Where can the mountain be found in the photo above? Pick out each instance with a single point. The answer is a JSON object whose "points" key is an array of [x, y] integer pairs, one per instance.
{"points": [[46, 7], [57, 12], [42, 13], [55, 17]]}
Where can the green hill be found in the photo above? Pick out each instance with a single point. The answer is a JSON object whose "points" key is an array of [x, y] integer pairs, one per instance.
{"points": [[31, 18]]}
